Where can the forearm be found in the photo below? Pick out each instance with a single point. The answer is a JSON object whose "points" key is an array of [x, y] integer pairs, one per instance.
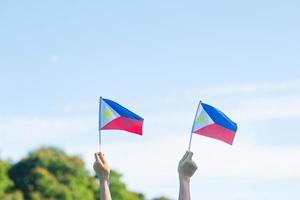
{"points": [[105, 192], [184, 189]]}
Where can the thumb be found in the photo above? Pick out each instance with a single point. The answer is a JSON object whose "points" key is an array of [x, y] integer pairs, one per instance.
{"points": [[103, 160], [190, 155], [98, 158], [184, 156]]}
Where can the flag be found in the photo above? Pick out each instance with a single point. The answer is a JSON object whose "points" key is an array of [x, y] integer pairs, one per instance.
{"points": [[211, 122], [113, 116]]}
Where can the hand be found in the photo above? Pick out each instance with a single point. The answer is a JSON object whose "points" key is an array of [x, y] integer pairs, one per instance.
{"points": [[186, 167], [101, 167]]}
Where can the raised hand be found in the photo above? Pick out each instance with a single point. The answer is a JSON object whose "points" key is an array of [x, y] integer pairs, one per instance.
{"points": [[101, 166], [186, 169]]}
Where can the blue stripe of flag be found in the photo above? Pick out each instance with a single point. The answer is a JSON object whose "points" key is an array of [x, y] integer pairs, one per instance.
{"points": [[219, 117], [124, 112]]}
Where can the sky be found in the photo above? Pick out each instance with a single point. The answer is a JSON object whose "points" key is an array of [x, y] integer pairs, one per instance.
{"points": [[158, 58]]}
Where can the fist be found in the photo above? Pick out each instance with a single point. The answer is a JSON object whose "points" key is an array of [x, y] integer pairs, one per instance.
{"points": [[101, 166], [187, 167]]}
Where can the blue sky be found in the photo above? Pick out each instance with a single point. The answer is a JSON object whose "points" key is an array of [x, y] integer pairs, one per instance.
{"points": [[158, 58]]}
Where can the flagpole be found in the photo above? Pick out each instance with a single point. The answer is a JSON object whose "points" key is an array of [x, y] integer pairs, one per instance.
{"points": [[99, 129], [189, 149]]}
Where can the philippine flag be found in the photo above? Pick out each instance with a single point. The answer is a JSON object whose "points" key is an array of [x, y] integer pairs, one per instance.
{"points": [[113, 116], [213, 123]]}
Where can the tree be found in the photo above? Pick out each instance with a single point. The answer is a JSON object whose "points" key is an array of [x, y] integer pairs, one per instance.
{"points": [[162, 198], [50, 174], [119, 191], [5, 182], [7, 190]]}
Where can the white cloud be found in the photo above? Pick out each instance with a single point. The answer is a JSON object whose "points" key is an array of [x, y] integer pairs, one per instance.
{"points": [[149, 163], [266, 108], [21, 134], [151, 167], [243, 102], [249, 88]]}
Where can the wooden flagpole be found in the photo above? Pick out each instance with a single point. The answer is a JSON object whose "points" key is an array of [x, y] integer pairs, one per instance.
{"points": [[100, 102], [189, 149]]}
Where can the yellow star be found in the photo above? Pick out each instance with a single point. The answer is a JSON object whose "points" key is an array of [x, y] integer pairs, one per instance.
{"points": [[202, 119], [107, 114]]}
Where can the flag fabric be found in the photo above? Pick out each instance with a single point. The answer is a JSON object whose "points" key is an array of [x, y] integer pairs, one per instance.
{"points": [[113, 116], [211, 122]]}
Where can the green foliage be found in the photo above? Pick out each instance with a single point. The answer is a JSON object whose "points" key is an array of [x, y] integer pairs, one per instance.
{"points": [[15, 195], [5, 183], [162, 198], [50, 174], [119, 191]]}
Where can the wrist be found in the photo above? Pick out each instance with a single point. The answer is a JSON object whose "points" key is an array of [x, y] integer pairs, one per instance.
{"points": [[103, 176], [184, 180], [103, 180]]}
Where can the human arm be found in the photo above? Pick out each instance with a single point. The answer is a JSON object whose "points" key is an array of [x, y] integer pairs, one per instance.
{"points": [[102, 170], [186, 169]]}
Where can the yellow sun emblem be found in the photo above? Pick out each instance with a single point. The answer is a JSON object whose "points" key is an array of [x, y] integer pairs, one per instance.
{"points": [[107, 114], [202, 119]]}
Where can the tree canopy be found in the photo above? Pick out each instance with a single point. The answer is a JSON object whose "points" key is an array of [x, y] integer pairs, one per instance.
{"points": [[50, 174]]}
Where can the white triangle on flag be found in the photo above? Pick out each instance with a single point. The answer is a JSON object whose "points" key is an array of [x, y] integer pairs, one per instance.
{"points": [[202, 119], [107, 114]]}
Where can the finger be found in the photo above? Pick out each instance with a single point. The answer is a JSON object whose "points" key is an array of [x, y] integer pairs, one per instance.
{"points": [[184, 156], [190, 168], [193, 164], [95, 166], [190, 155], [101, 155], [98, 158]]}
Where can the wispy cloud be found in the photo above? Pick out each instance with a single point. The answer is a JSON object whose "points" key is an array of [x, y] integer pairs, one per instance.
{"points": [[166, 135], [252, 88]]}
